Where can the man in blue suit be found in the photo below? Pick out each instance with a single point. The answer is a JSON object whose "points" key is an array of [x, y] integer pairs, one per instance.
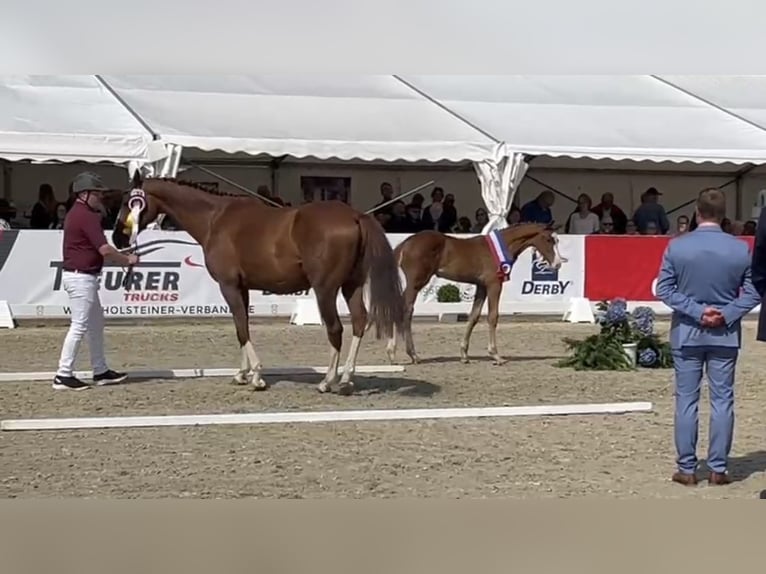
{"points": [[705, 279]]}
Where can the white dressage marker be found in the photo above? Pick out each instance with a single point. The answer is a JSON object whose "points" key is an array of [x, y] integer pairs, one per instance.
{"points": [[200, 373], [320, 416]]}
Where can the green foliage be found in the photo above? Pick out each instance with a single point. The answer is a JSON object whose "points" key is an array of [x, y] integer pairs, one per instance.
{"points": [[598, 352], [604, 352], [448, 293]]}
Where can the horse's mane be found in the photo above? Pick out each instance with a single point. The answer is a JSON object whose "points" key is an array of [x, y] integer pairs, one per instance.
{"points": [[201, 187]]}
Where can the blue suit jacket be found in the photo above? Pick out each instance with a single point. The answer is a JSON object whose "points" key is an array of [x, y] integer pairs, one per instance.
{"points": [[706, 268]]}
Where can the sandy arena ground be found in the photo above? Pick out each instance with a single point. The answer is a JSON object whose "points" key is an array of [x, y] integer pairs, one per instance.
{"points": [[611, 456]]}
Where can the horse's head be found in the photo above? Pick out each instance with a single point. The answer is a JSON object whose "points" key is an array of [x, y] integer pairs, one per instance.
{"points": [[137, 210], [546, 243]]}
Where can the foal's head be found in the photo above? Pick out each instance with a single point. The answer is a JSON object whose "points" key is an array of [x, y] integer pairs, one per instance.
{"points": [[544, 240], [138, 209]]}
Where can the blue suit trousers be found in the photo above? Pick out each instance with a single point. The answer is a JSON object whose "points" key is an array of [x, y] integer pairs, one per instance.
{"points": [[720, 364]]}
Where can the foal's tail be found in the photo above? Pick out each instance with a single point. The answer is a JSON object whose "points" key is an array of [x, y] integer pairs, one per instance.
{"points": [[380, 265]]}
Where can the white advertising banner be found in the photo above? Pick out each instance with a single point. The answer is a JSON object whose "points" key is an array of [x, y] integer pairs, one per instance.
{"points": [[171, 280]]}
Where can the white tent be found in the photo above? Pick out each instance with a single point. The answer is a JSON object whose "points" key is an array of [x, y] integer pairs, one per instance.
{"points": [[65, 119], [616, 117], [372, 118]]}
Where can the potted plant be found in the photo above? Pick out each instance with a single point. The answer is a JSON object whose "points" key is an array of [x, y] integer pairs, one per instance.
{"points": [[624, 341], [448, 293]]}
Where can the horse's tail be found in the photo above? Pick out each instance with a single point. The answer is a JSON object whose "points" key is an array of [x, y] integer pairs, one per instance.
{"points": [[382, 269]]}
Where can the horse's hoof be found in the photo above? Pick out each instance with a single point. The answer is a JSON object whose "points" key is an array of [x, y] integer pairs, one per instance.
{"points": [[499, 362], [239, 380], [346, 389], [415, 359], [260, 385], [465, 360], [324, 387]]}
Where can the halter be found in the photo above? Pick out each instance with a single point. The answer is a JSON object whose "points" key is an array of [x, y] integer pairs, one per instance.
{"points": [[136, 204], [503, 259]]}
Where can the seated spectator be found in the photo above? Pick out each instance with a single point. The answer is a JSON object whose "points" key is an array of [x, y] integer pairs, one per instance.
{"points": [[737, 228], [682, 225], [514, 216], [441, 214], [630, 228], [750, 228], [463, 225], [397, 218], [607, 209], [481, 220], [539, 209], [606, 227], [650, 211], [583, 221], [651, 229], [60, 216], [414, 218], [44, 211]]}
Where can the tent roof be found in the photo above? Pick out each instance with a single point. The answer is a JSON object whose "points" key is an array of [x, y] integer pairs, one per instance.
{"points": [[617, 117], [345, 117], [66, 118]]}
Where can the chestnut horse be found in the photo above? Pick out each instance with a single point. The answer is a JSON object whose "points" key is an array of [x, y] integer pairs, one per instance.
{"points": [[327, 246], [467, 260]]}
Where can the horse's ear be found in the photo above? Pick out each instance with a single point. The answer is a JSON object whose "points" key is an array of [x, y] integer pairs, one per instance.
{"points": [[137, 179]]}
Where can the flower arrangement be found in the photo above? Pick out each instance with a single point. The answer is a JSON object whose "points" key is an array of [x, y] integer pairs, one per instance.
{"points": [[604, 350]]}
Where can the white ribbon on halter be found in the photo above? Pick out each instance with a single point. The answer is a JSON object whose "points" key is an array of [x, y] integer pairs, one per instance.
{"points": [[136, 204]]}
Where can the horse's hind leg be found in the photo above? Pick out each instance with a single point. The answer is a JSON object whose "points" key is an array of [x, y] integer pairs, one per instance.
{"points": [[238, 299], [473, 318], [410, 296], [353, 293], [328, 309]]}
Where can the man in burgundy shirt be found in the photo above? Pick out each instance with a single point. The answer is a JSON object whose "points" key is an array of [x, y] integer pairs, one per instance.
{"points": [[84, 249]]}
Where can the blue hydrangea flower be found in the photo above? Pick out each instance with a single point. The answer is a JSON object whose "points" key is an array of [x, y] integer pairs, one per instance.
{"points": [[617, 311], [643, 320], [647, 358]]}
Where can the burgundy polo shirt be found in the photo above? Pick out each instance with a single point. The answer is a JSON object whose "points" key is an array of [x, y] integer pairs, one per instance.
{"points": [[83, 236]]}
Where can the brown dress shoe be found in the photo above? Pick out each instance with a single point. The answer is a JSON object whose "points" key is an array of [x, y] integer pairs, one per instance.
{"points": [[718, 479], [685, 478]]}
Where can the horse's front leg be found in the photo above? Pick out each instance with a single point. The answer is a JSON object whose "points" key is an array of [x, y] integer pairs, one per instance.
{"points": [[238, 300], [493, 314]]}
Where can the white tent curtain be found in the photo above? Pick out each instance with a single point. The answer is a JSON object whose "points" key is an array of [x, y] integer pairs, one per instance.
{"points": [[500, 177]]}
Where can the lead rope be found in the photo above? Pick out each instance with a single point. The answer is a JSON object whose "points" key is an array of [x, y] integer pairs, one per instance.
{"points": [[136, 204]]}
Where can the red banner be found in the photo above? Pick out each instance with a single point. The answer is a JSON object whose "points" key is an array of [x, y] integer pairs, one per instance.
{"points": [[625, 266]]}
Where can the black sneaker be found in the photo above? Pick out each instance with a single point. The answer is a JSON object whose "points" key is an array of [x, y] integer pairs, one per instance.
{"points": [[109, 377], [61, 383]]}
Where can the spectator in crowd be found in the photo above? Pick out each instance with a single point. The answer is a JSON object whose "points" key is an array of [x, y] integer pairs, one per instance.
{"points": [[464, 226], [481, 220], [397, 219], [383, 217], [7, 211], [60, 216], [607, 209], [749, 228], [415, 217], [514, 216], [650, 211], [386, 193], [440, 215], [651, 229], [630, 228], [44, 211], [737, 228], [726, 225], [539, 209], [583, 221], [606, 227], [418, 200], [682, 225]]}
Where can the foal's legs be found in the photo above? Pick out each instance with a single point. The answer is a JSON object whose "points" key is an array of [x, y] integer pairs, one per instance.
{"points": [[493, 292], [354, 295], [414, 285], [328, 309], [238, 299], [473, 318]]}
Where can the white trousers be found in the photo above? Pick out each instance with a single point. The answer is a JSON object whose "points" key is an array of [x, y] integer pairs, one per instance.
{"points": [[87, 317]]}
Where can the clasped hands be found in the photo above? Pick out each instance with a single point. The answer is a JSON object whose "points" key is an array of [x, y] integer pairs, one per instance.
{"points": [[712, 317]]}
